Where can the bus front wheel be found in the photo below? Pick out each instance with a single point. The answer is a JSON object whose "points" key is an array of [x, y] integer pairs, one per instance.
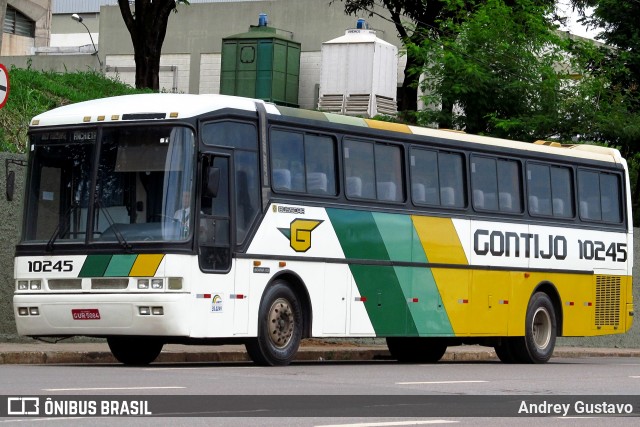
{"points": [[279, 327], [135, 350], [539, 333]]}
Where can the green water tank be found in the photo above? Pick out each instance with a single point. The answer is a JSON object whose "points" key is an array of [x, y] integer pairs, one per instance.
{"points": [[262, 63]]}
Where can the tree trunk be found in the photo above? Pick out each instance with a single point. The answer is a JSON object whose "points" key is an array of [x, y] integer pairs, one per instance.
{"points": [[409, 90], [148, 69], [147, 28]]}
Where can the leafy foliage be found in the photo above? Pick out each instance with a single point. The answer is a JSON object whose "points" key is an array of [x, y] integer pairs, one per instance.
{"points": [[499, 68], [33, 92]]}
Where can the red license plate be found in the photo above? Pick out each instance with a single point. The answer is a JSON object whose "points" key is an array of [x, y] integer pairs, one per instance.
{"points": [[85, 314]]}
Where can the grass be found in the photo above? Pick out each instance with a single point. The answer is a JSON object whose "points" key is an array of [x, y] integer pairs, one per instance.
{"points": [[33, 92]]}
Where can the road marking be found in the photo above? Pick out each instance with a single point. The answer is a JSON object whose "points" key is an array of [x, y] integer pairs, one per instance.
{"points": [[28, 420], [109, 388], [634, 376], [391, 423], [217, 368], [577, 418], [440, 382]]}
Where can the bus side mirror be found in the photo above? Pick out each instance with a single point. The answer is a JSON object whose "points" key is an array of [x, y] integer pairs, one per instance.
{"points": [[11, 185], [213, 182]]}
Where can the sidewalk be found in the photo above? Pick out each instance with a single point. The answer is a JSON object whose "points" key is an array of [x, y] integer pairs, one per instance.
{"points": [[311, 350]]}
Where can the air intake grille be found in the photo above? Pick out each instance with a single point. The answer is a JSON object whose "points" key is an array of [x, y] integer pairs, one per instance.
{"points": [[607, 301], [109, 283]]}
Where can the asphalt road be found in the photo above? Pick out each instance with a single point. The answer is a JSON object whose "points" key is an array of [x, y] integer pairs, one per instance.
{"points": [[301, 383]]}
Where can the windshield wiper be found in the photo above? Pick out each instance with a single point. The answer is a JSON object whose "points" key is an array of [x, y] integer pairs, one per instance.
{"points": [[59, 231], [112, 225]]}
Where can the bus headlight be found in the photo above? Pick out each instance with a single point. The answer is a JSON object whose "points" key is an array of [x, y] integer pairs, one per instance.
{"points": [[157, 284], [143, 283], [29, 285]]}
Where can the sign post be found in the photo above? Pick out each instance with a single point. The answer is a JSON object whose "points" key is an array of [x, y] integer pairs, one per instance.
{"points": [[4, 85]]}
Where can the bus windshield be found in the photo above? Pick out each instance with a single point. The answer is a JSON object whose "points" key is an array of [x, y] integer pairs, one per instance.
{"points": [[142, 189]]}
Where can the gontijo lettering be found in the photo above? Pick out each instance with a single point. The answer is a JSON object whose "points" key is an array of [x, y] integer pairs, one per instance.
{"points": [[526, 245], [532, 245]]}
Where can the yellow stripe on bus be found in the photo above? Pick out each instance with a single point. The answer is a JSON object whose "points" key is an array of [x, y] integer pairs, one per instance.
{"points": [[146, 265], [439, 240], [394, 127]]}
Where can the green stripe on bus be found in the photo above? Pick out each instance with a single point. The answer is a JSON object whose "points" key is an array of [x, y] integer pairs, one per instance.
{"points": [[395, 231], [346, 120], [302, 114], [95, 266], [385, 301], [358, 234], [120, 265], [399, 300], [417, 284]]}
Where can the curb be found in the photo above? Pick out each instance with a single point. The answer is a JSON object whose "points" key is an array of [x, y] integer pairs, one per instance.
{"points": [[456, 354]]}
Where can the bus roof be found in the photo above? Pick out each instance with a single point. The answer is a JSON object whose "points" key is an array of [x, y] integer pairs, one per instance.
{"points": [[179, 106]]}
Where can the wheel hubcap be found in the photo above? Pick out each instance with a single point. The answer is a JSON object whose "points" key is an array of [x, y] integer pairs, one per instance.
{"points": [[281, 322], [541, 328]]}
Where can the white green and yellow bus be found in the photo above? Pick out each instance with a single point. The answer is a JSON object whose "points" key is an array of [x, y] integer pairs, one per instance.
{"points": [[205, 219]]}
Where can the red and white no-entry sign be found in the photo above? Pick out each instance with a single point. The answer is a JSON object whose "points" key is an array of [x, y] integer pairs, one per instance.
{"points": [[4, 85]]}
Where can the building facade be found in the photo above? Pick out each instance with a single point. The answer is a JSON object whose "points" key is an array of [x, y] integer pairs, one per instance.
{"points": [[191, 53]]}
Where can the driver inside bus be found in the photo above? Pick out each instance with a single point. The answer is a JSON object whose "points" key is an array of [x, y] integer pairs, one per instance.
{"points": [[183, 214]]}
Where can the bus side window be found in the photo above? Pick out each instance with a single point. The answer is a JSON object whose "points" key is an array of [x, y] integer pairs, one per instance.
{"points": [[359, 169], [599, 196]]}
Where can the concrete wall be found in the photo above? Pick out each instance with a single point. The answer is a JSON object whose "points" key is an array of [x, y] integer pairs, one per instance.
{"points": [[194, 38], [58, 63], [40, 12], [10, 226], [71, 33], [191, 51]]}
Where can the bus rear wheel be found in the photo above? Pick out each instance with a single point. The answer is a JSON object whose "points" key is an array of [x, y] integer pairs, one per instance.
{"points": [[505, 351], [416, 350], [279, 327], [135, 350], [539, 333]]}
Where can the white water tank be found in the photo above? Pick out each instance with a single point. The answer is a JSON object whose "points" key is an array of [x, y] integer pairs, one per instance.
{"points": [[358, 74]]}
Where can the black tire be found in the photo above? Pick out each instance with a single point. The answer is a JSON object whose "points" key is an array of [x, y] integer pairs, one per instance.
{"points": [[505, 352], [540, 331], [416, 350], [279, 327], [136, 351]]}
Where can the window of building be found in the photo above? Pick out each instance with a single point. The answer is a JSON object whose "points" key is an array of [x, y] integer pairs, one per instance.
{"points": [[19, 24]]}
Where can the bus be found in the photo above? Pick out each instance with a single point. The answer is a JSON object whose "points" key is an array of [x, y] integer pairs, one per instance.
{"points": [[206, 219]]}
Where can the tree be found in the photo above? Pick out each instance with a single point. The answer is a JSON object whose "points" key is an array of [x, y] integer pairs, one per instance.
{"points": [[419, 22], [614, 76], [500, 68], [147, 26]]}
